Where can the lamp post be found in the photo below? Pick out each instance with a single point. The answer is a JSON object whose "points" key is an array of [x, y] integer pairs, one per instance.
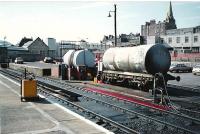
{"points": [[115, 22], [61, 61]]}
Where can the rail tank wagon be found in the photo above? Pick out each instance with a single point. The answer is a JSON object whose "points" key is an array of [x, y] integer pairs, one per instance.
{"points": [[79, 58], [81, 64], [145, 58], [136, 65]]}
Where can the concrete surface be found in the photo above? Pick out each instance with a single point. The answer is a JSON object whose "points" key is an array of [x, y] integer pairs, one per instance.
{"points": [[38, 117], [187, 80], [40, 65]]}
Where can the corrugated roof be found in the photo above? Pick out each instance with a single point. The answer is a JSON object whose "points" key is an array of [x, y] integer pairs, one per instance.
{"points": [[26, 45], [16, 48]]}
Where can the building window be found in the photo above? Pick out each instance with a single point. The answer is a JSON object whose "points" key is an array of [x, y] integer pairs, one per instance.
{"points": [[177, 39], [186, 39], [195, 38], [169, 40]]}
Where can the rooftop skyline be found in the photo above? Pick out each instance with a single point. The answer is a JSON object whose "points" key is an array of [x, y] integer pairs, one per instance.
{"points": [[87, 20]]}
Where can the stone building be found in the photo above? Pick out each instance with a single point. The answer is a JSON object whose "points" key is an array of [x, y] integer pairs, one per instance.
{"points": [[156, 29], [184, 40], [37, 47]]}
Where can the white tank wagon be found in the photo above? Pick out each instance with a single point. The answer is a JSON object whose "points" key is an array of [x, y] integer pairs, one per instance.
{"points": [[136, 65], [145, 58], [80, 64], [79, 58]]}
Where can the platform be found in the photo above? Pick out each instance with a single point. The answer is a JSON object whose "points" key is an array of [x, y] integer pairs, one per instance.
{"points": [[38, 117]]}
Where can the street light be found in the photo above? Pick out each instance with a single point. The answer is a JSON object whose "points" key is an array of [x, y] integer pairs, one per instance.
{"points": [[115, 22]]}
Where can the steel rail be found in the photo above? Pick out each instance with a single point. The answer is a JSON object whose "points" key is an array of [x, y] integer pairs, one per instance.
{"points": [[127, 111], [106, 120], [116, 124], [169, 112]]}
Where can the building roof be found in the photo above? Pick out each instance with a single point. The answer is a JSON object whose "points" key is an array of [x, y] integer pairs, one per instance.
{"points": [[27, 44], [179, 31], [16, 48], [23, 41], [5, 43], [10, 46]]}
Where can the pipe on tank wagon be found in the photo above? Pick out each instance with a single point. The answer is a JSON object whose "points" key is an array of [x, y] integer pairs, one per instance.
{"points": [[144, 58]]}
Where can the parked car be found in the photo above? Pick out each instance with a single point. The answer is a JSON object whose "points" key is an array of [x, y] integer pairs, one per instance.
{"points": [[19, 60], [48, 60], [180, 68], [196, 70]]}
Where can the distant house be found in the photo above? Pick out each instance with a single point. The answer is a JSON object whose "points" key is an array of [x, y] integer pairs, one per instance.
{"points": [[123, 40], [37, 47]]}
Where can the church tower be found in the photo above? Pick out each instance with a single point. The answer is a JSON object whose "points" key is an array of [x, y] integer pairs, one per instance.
{"points": [[170, 21]]}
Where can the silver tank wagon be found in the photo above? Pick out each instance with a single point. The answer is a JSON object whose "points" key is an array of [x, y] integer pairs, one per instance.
{"points": [[139, 59], [137, 66], [79, 58]]}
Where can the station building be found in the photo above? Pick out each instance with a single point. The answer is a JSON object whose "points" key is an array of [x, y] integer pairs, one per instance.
{"points": [[13, 51]]}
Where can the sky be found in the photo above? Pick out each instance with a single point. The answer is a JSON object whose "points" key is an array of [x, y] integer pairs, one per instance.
{"points": [[69, 20]]}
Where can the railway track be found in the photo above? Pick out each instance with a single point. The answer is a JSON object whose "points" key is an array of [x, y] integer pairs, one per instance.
{"points": [[189, 105], [116, 115], [192, 110], [142, 110]]}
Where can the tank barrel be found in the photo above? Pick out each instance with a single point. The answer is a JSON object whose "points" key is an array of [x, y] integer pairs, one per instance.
{"points": [[151, 58]]}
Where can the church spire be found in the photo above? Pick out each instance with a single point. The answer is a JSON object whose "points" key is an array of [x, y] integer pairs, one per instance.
{"points": [[170, 18], [169, 13]]}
